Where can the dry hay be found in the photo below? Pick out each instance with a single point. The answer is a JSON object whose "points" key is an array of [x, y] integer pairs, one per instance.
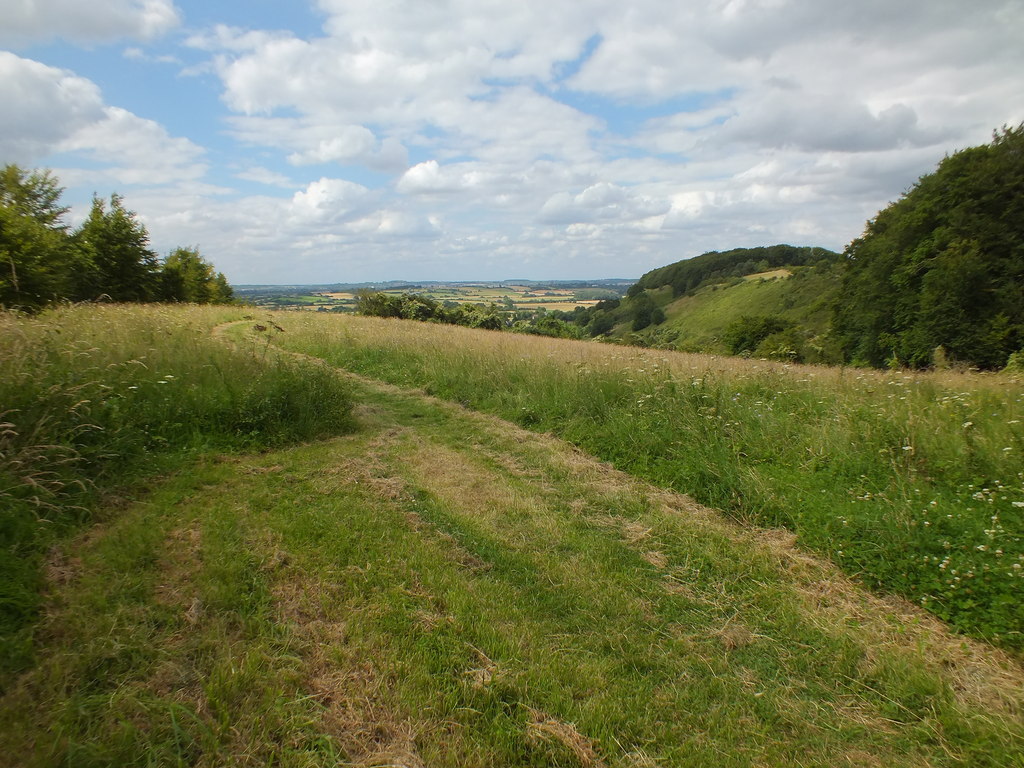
{"points": [[543, 728], [480, 677]]}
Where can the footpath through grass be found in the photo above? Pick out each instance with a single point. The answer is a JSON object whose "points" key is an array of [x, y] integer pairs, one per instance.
{"points": [[442, 588], [913, 483]]}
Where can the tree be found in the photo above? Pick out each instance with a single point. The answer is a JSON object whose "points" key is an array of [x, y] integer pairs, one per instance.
{"points": [[748, 331], [37, 262], [942, 266], [186, 276], [117, 244], [642, 307]]}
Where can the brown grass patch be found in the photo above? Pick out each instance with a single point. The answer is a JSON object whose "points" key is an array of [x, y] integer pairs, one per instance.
{"points": [[369, 472], [542, 728], [182, 558], [480, 677], [734, 635], [60, 569], [655, 558], [462, 483], [344, 680]]}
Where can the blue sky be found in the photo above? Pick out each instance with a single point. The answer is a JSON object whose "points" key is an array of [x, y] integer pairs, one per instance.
{"points": [[350, 140]]}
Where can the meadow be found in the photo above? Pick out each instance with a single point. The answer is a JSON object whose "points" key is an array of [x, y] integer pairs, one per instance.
{"points": [[912, 483], [96, 399], [218, 551]]}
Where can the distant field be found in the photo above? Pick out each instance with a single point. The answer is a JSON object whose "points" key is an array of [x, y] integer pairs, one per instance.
{"points": [[506, 296]]}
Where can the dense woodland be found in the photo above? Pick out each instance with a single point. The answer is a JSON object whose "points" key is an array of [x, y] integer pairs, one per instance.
{"points": [[942, 266], [108, 257]]}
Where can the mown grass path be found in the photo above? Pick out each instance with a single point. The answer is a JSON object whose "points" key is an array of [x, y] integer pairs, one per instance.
{"points": [[443, 588]]}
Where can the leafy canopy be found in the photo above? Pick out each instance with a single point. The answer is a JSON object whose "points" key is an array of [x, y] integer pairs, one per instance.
{"points": [[107, 257], [942, 266]]}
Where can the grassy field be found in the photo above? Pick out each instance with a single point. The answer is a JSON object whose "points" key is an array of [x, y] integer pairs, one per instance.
{"points": [[96, 400], [912, 483], [439, 586]]}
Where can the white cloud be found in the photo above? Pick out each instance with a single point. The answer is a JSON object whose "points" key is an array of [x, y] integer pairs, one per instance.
{"points": [[137, 54], [329, 201], [136, 150], [311, 142], [32, 21], [545, 139], [601, 202], [43, 106], [430, 178], [266, 176], [54, 111]]}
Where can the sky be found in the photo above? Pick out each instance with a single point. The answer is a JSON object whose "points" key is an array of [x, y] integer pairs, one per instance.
{"points": [[370, 140]]}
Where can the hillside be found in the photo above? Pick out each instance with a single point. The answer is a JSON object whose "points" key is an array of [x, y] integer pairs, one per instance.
{"points": [[943, 266], [697, 305], [801, 297], [443, 587], [689, 275]]}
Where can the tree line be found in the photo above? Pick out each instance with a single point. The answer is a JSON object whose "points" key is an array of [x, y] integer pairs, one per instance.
{"points": [[414, 306], [42, 259]]}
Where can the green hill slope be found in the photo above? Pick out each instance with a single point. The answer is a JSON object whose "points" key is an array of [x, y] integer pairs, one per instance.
{"points": [[774, 302], [800, 297]]}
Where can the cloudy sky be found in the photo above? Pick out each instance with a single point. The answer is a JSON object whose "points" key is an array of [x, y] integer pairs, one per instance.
{"points": [[358, 140]]}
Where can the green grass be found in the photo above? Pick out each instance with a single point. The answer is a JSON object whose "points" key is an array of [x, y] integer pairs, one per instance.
{"points": [[444, 589], [698, 323], [441, 587], [96, 399], [913, 484]]}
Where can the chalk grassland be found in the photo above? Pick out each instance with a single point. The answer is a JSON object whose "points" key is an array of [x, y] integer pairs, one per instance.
{"points": [[770, 274], [911, 483], [442, 588]]}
